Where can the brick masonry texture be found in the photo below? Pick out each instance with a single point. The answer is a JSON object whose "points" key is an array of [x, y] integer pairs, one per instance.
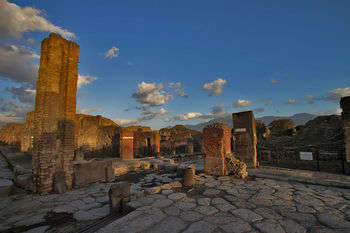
{"points": [[244, 132], [54, 115], [216, 144], [126, 145]]}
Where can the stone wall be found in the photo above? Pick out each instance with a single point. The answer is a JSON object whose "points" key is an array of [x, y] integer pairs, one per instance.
{"points": [[179, 140], [345, 105], [244, 133], [54, 115], [216, 144], [27, 134], [126, 145], [146, 143]]}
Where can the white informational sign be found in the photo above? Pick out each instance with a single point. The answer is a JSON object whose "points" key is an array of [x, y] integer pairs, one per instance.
{"points": [[306, 156], [240, 130]]}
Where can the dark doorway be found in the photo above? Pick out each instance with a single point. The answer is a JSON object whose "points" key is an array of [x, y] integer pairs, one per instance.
{"points": [[149, 148]]}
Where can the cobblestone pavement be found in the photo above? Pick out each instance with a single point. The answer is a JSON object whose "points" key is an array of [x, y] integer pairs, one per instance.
{"points": [[225, 204]]}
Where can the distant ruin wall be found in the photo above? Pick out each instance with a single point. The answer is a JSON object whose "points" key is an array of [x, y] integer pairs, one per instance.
{"points": [[54, 115]]}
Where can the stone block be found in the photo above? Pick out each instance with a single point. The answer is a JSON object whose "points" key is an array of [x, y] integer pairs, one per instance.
{"points": [[118, 194], [59, 182]]}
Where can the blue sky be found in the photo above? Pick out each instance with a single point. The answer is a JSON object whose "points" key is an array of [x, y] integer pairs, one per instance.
{"points": [[273, 57]]}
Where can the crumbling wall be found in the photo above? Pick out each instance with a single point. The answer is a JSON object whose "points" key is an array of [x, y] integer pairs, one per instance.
{"points": [[54, 115], [179, 140], [27, 135], [146, 143], [216, 145]]}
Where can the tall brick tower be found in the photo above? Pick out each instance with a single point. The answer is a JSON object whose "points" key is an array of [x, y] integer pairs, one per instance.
{"points": [[55, 108]]}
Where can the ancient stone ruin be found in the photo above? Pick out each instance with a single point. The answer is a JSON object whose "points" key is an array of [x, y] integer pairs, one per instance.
{"points": [[54, 114], [345, 105], [245, 139], [216, 144]]}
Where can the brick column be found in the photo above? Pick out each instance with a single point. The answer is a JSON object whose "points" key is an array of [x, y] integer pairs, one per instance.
{"points": [[345, 105], [126, 145], [244, 132], [216, 144], [54, 114]]}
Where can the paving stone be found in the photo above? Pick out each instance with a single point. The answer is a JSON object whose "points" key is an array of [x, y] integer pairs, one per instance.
{"points": [[246, 215], [83, 215], [170, 225], [136, 221], [333, 221], [65, 209], [206, 210], [102, 199], [88, 200], [183, 205], [291, 226], [176, 196], [218, 200], [204, 201], [161, 203], [225, 207], [146, 200], [269, 226], [41, 229], [191, 216], [211, 192], [172, 211], [153, 190], [236, 227], [30, 220], [167, 191], [268, 213], [200, 227], [305, 209], [134, 204], [221, 218]]}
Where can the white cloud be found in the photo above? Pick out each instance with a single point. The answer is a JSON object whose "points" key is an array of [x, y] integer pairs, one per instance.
{"points": [[241, 103], [328, 112], [12, 111], [88, 110], [151, 114], [188, 116], [218, 110], [259, 110], [332, 95], [151, 94], [16, 64], [85, 80], [215, 87], [125, 122], [291, 101], [112, 52], [181, 93], [23, 94], [174, 84], [273, 80], [15, 20]]}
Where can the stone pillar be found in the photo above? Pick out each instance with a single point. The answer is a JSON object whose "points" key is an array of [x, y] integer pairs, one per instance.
{"points": [[54, 114], [345, 105], [155, 142], [244, 132], [126, 145], [216, 144], [27, 139]]}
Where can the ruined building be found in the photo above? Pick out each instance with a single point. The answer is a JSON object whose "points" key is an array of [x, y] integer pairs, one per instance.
{"points": [[179, 140], [54, 114]]}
